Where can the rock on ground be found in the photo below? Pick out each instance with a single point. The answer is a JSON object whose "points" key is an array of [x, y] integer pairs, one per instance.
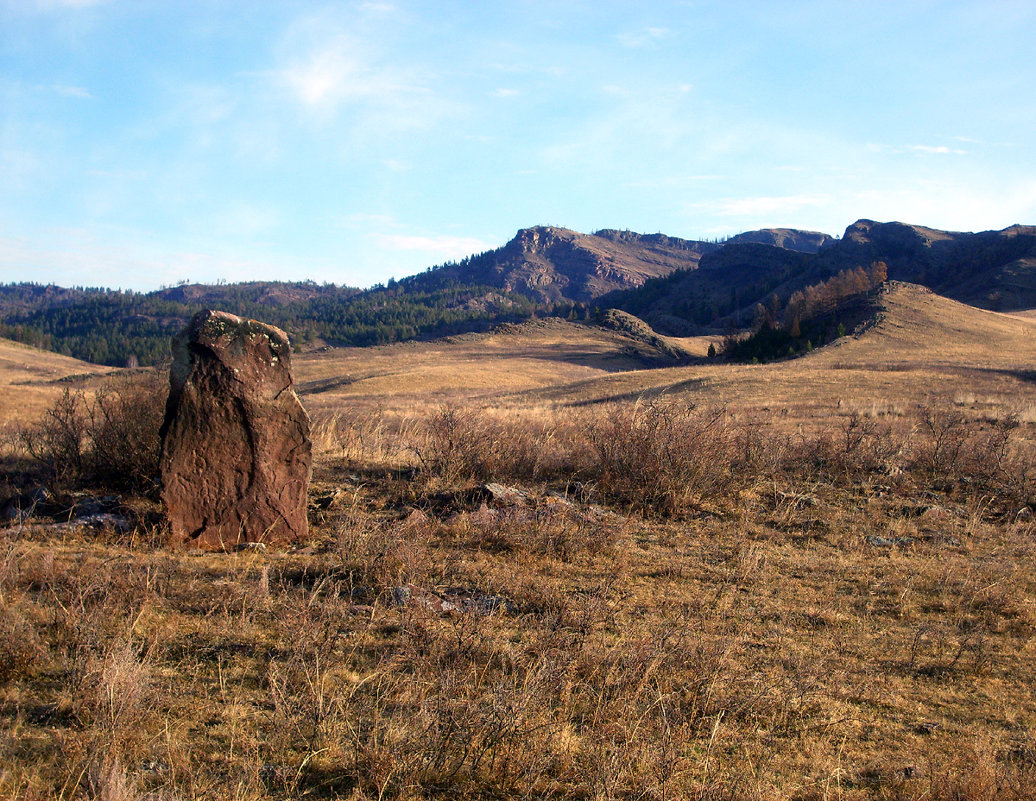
{"points": [[236, 453]]}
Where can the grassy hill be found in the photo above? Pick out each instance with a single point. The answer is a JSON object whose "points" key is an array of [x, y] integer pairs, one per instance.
{"points": [[919, 347], [31, 379], [993, 269]]}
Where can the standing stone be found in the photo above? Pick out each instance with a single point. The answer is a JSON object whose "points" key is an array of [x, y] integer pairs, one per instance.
{"points": [[236, 453]]}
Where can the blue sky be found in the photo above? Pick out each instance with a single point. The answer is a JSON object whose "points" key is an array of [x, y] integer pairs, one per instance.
{"points": [[143, 143]]}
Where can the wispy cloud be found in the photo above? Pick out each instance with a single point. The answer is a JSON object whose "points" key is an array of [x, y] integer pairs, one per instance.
{"points": [[46, 5], [365, 220], [952, 204], [932, 150], [438, 247], [73, 91], [763, 205], [937, 150], [643, 38], [327, 65]]}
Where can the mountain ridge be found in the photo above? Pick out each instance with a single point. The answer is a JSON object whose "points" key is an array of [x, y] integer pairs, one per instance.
{"points": [[678, 286], [551, 264]]}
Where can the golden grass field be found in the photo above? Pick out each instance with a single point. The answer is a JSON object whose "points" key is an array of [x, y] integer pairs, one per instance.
{"points": [[815, 583], [925, 346], [30, 379]]}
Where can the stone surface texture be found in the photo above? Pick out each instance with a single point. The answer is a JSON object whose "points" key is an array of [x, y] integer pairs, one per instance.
{"points": [[236, 453]]}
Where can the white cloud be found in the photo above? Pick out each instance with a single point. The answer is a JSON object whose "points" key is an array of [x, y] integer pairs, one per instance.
{"points": [[643, 38], [327, 63], [73, 91], [437, 247], [937, 150], [933, 150], [46, 5], [762, 206], [951, 205], [330, 76], [504, 93]]}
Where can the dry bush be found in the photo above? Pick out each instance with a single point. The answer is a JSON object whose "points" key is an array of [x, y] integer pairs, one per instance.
{"points": [[949, 444], [859, 446], [468, 443], [57, 442], [662, 454], [977, 456], [456, 446], [758, 450], [125, 418], [110, 439]]}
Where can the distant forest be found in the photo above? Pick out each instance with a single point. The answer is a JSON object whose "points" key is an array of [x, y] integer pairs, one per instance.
{"points": [[119, 328]]}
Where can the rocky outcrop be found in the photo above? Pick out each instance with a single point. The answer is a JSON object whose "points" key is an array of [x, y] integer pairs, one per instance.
{"points": [[787, 238], [236, 453]]}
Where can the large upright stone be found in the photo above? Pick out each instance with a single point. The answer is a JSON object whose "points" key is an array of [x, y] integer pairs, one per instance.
{"points": [[236, 453]]}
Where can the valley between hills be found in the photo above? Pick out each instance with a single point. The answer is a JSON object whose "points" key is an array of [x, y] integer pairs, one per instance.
{"points": [[562, 557]]}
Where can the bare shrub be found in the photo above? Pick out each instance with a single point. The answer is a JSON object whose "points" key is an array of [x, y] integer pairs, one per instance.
{"points": [[662, 454], [465, 443], [124, 421], [858, 447], [757, 449], [457, 444], [982, 453], [865, 445], [110, 439], [58, 441], [943, 436]]}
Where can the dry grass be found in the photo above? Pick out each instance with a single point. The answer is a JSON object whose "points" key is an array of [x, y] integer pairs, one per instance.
{"points": [[30, 379], [737, 589]]}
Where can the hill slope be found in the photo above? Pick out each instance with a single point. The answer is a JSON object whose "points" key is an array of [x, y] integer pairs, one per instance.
{"points": [[482, 367], [919, 345], [993, 269], [30, 379], [550, 265]]}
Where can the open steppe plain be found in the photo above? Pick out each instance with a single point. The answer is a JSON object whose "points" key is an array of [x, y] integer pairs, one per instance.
{"points": [[810, 579]]}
